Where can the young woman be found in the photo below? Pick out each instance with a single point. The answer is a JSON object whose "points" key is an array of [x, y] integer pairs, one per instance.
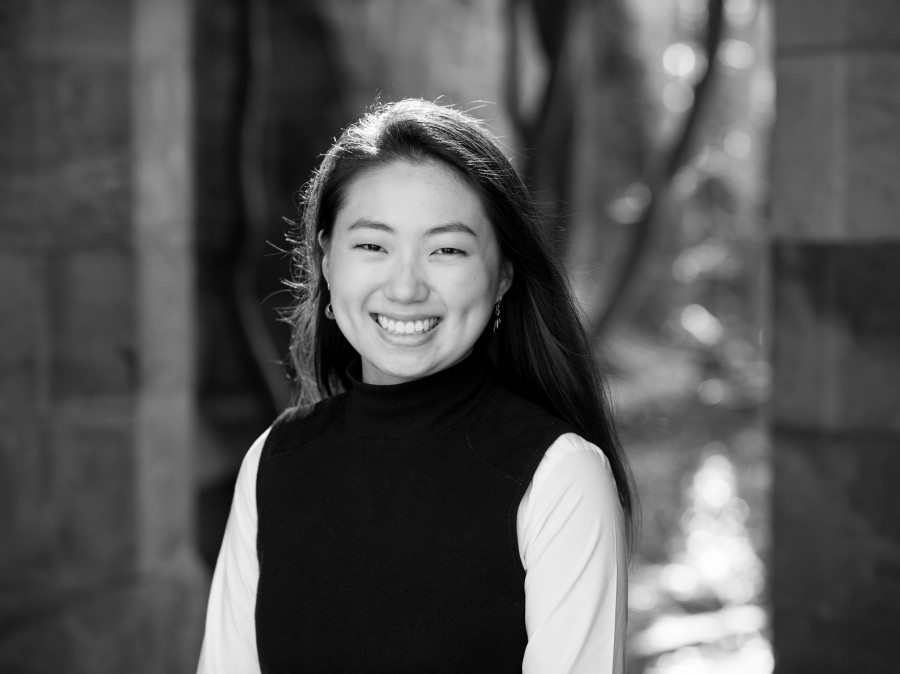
{"points": [[449, 493]]}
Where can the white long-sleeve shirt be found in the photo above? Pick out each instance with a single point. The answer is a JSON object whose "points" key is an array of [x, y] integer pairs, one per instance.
{"points": [[572, 544]]}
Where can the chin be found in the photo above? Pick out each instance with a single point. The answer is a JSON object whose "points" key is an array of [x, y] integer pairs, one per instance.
{"points": [[409, 368]]}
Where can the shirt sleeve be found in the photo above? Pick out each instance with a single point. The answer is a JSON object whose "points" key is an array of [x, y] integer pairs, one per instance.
{"points": [[229, 640], [572, 544]]}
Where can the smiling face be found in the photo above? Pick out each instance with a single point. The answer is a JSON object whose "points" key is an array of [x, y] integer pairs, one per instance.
{"points": [[414, 270]]}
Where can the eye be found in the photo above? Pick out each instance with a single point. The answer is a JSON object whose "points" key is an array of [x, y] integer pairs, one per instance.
{"points": [[370, 247], [449, 251]]}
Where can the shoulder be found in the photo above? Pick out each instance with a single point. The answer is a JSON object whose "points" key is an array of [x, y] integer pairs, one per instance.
{"points": [[574, 464], [511, 433], [573, 489], [300, 424]]}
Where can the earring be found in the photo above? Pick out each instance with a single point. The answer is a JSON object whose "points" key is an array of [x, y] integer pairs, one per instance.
{"points": [[329, 312], [497, 315]]}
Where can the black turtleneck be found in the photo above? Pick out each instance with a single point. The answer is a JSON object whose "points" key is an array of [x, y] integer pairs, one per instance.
{"points": [[387, 527]]}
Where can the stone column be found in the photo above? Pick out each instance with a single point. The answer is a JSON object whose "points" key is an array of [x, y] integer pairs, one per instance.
{"points": [[97, 569], [836, 342]]}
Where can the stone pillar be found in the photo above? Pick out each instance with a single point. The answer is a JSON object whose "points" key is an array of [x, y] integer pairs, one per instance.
{"points": [[836, 342], [97, 569]]}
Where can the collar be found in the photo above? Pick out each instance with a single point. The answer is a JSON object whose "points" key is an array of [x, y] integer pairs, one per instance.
{"points": [[415, 408]]}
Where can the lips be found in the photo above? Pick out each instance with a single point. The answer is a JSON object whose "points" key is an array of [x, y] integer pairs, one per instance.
{"points": [[398, 327]]}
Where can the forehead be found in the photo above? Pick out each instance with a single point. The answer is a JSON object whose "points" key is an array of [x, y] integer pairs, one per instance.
{"points": [[410, 196]]}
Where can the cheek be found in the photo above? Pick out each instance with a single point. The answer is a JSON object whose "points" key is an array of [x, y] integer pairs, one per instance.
{"points": [[473, 294], [343, 280]]}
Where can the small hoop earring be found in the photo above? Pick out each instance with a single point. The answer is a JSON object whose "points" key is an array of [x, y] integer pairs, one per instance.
{"points": [[329, 312], [497, 315]]}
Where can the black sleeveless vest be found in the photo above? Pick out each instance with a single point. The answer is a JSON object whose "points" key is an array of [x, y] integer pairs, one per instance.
{"points": [[387, 528]]}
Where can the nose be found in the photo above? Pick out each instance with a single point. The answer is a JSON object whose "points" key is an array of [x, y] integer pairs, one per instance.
{"points": [[406, 281]]}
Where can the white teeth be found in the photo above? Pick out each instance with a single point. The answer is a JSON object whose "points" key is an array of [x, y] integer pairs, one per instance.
{"points": [[406, 327]]}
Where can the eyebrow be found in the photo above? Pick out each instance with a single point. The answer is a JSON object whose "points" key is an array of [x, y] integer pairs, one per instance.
{"points": [[365, 223], [450, 227]]}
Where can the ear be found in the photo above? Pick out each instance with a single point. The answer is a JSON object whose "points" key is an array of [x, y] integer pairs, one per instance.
{"points": [[506, 276], [326, 258]]}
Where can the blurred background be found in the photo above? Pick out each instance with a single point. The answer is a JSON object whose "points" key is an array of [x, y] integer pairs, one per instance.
{"points": [[736, 255]]}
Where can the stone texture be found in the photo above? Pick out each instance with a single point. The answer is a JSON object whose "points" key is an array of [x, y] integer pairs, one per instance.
{"points": [[98, 572], [837, 148], [836, 24], [24, 342], [127, 627], [18, 121], [93, 326], [808, 149], [27, 524], [16, 31], [83, 109], [80, 29], [162, 501], [162, 180], [18, 147], [95, 538], [163, 272], [63, 151], [163, 216], [835, 568], [873, 144], [69, 503], [837, 339], [83, 114], [837, 145]]}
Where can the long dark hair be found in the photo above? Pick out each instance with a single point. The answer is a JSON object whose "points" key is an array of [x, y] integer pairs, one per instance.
{"points": [[542, 351]]}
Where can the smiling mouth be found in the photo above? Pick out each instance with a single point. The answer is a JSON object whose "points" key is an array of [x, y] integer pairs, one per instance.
{"points": [[394, 327]]}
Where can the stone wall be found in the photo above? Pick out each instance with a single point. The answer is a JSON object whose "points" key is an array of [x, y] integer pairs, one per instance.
{"points": [[97, 569], [836, 343]]}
